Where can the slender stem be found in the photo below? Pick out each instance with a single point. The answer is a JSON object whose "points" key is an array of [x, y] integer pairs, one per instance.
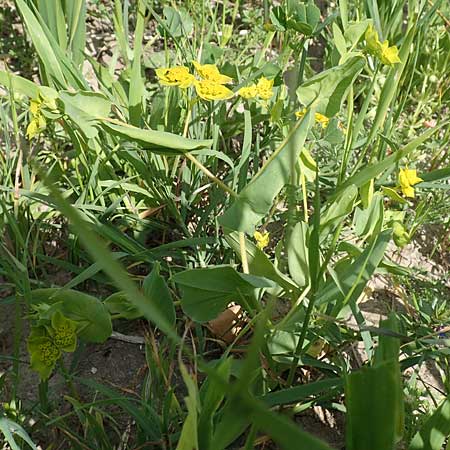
{"points": [[301, 340], [305, 196], [210, 175], [243, 250]]}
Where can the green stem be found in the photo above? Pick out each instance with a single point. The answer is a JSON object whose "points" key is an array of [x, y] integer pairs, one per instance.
{"points": [[301, 341], [210, 175]]}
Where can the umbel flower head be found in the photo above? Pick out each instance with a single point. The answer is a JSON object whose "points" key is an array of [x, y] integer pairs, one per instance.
{"points": [[407, 179], [263, 89], [175, 76], [210, 72], [387, 55], [46, 343], [209, 87], [63, 332], [43, 352], [209, 90], [38, 122], [262, 239]]}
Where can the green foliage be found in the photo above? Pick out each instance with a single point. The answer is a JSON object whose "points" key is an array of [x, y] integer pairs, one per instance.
{"points": [[145, 195]]}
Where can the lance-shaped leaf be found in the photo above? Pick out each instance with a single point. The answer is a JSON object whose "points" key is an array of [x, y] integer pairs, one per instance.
{"points": [[353, 277], [328, 88], [84, 108], [374, 398], [156, 141], [256, 199], [435, 430], [206, 292]]}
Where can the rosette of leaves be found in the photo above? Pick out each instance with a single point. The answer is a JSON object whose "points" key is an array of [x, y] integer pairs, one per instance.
{"points": [[47, 342]]}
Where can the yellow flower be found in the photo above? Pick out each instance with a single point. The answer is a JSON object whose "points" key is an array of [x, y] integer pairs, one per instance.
{"points": [[36, 126], [323, 120], [248, 91], [387, 55], [262, 239], [175, 76], [407, 179], [35, 107], [208, 90], [37, 123], [210, 72], [265, 88], [320, 118]]}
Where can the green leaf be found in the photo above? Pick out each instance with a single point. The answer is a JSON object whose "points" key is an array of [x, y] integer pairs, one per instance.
{"points": [[189, 433], [379, 426], [118, 303], [43, 46], [84, 108], [435, 430], [256, 199], [366, 221], [213, 395], [90, 313], [9, 428], [339, 39], [299, 393], [156, 141], [372, 171], [337, 210], [297, 251], [327, 90], [208, 291], [145, 416], [137, 86], [259, 263], [307, 165], [393, 195], [355, 31], [303, 18], [156, 289], [353, 277]]}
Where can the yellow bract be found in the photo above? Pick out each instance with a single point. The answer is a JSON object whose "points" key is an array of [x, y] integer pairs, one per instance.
{"points": [[407, 179], [248, 92], [175, 76], [208, 90], [210, 72], [323, 120], [372, 39], [265, 88], [387, 55], [262, 239], [320, 118], [37, 123], [36, 126]]}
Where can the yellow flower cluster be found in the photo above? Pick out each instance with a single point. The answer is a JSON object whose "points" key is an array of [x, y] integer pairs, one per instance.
{"points": [[263, 89], [262, 239], [209, 87], [175, 76], [387, 55], [37, 123], [407, 179], [320, 118]]}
